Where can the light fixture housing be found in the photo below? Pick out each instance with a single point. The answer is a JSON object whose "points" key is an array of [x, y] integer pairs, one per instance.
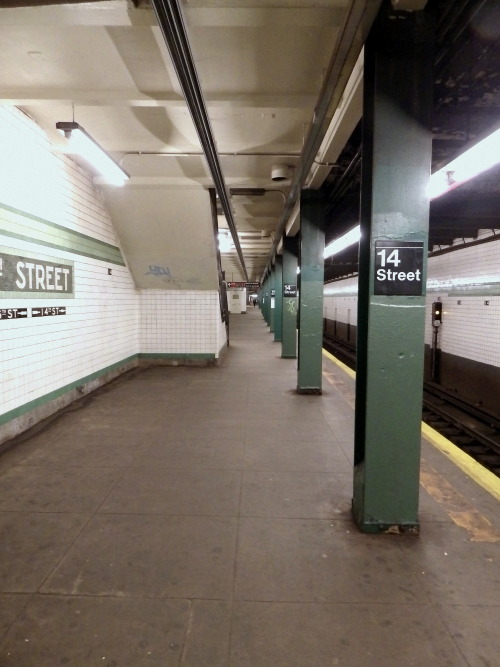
{"points": [[482, 156], [349, 238], [81, 143]]}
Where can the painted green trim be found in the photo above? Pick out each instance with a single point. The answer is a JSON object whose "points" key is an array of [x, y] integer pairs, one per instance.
{"points": [[42, 400], [52, 235], [182, 356]]}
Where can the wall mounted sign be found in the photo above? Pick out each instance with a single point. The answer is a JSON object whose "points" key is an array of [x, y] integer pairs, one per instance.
{"points": [[22, 313], [398, 268], [289, 290], [13, 313], [48, 312], [30, 276]]}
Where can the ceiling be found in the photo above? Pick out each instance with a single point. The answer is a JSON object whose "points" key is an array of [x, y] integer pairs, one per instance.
{"points": [[280, 82], [261, 66]]}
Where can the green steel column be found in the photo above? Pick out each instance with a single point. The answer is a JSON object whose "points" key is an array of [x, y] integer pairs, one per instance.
{"points": [[271, 301], [265, 299], [289, 333], [393, 251], [278, 299], [312, 263]]}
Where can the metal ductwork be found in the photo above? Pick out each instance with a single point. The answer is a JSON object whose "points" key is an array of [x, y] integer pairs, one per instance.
{"points": [[170, 20]]}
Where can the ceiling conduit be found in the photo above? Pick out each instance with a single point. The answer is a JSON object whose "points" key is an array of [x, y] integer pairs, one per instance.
{"points": [[170, 20], [360, 17]]}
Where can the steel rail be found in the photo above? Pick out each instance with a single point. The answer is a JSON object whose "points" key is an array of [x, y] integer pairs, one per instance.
{"points": [[171, 22]]}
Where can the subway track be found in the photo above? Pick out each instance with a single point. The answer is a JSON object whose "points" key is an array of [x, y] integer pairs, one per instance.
{"points": [[471, 429]]}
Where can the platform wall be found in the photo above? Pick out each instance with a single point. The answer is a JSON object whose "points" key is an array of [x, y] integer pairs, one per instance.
{"points": [[58, 345]]}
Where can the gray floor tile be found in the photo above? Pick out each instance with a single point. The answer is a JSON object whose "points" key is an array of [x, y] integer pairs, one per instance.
{"points": [[451, 568], [474, 629], [183, 492], [87, 450], [10, 608], [196, 453], [55, 489], [351, 635], [150, 555], [78, 631], [292, 455], [296, 494], [207, 642], [32, 544], [298, 560], [298, 429]]}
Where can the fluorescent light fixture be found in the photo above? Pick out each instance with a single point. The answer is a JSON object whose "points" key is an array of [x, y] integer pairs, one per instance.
{"points": [[225, 242], [484, 155], [81, 143], [343, 242]]}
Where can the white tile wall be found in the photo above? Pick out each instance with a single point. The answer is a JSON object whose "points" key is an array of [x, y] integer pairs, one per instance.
{"points": [[108, 320], [41, 355], [179, 321], [464, 280]]}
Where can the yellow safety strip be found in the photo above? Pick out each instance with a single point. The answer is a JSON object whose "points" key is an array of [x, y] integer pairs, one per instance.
{"points": [[457, 507], [346, 369], [486, 479], [475, 470]]}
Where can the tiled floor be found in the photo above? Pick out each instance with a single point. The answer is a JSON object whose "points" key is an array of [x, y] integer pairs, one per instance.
{"points": [[201, 517]]}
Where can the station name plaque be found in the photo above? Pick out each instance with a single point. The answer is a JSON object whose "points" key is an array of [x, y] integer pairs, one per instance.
{"points": [[399, 268]]}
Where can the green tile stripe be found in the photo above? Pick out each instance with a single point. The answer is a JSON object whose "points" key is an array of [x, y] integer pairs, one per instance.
{"points": [[183, 356], [27, 227], [42, 400]]}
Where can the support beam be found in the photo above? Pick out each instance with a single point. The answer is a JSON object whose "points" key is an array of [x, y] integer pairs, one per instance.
{"points": [[278, 299], [393, 249], [289, 335], [312, 245]]}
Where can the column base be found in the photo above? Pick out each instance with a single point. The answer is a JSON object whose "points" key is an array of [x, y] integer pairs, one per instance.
{"points": [[309, 390]]}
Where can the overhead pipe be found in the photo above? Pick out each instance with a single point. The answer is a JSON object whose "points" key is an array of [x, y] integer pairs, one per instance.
{"points": [[170, 20], [360, 18]]}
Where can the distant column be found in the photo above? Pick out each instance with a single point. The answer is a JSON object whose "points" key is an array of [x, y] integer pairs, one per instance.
{"points": [[289, 319], [272, 291], [311, 283], [397, 147], [278, 299]]}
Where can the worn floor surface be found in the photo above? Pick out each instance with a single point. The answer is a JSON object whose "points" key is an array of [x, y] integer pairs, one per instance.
{"points": [[201, 517]]}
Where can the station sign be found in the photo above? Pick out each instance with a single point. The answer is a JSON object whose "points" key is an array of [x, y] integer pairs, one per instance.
{"points": [[398, 268], [13, 313], [29, 276], [289, 290], [240, 285], [23, 313], [48, 311]]}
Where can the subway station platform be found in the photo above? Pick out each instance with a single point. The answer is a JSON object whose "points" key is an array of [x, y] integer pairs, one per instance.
{"points": [[201, 517]]}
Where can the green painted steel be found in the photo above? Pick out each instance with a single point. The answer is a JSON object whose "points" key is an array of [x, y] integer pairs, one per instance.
{"points": [[265, 300], [394, 207], [310, 339], [289, 333], [272, 291], [278, 299]]}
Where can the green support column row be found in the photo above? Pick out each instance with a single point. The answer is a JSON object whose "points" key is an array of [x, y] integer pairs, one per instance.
{"points": [[278, 300], [272, 291], [289, 333], [312, 246], [393, 249]]}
